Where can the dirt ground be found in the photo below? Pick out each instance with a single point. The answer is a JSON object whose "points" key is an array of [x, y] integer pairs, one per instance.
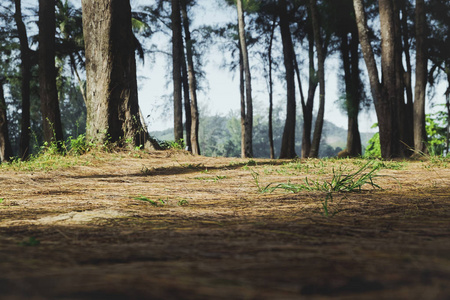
{"points": [[167, 225]]}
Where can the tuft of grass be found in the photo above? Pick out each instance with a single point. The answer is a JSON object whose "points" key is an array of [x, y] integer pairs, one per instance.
{"points": [[174, 145], [340, 182], [183, 202], [44, 162], [326, 209], [250, 163], [255, 176], [54, 155], [79, 145], [158, 202]]}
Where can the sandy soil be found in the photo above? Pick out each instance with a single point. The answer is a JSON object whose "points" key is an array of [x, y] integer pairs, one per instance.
{"points": [[167, 225]]}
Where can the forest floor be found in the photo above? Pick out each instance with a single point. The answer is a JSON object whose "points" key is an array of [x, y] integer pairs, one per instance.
{"points": [[168, 225]]}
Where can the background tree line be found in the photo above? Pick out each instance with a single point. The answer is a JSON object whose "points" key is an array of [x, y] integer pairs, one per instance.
{"points": [[66, 71]]}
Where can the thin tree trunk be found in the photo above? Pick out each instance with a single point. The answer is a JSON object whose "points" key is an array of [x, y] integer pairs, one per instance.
{"points": [[5, 145], [113, 113], [248, 82], [51, 114], [305, 109], [242, 94], [308, 107], [192, 82], [420, 134], [447, 104], [354, 143], [177, 44], [409, 106], [321, 72], [288, 140], [404, 121], [187, 102], [270, 58], [25, 56], [351, 71]]}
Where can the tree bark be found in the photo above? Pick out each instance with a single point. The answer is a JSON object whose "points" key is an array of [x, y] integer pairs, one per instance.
{"points": [[384, 94], [5, 145], [321, 72], [177, 52], [403, 119], [354, 142], [388, 123], [305, 109], [420, 134], [113, 113], [350, 58], [51, 114], [25, 68], [270, 62], [248, 144], [187, 102], [447, 104], [242, 94], [408, 106], [288, 140], [309, 105], [192, 82]]}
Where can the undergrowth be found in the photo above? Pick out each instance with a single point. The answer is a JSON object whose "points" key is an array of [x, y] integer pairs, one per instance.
{"points": [[63, 154], [340, 182]]}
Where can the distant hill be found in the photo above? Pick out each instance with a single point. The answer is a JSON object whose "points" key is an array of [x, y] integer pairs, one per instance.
{"points": [[219, 136], [336, 136]]}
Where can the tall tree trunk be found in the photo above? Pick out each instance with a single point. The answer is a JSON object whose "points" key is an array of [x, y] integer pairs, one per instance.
{"points": [[187, 102], [305, 109], [112, 99], [25, 68], [447, 104], [354, 144], [242, 94], [384, 94], [270, 62], [390, 117], [288, 140], [321, 72], [408, 109], [47, 73], [248, 82], [350, 58], [420, 134], [192, 82], [177, 52], [5, 145], [404, 123], [308, 107]]}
